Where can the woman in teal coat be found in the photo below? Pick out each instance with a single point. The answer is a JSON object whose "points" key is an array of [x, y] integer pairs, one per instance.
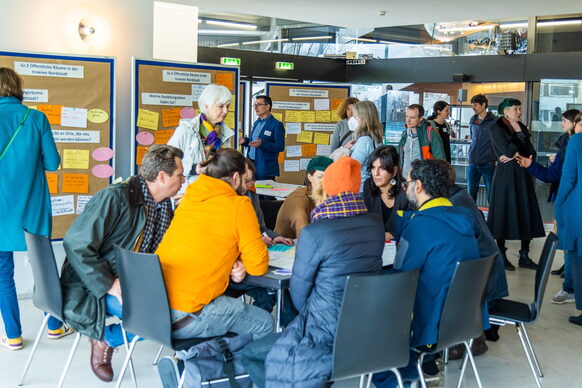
{"points": [[27, 149]]}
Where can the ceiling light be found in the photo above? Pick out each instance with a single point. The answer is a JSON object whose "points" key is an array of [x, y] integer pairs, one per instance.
{"points": [[390, 42], [468, 28], [266, 41], [513, 25], [231, 24], [559, 23], [360, 39], [228, 44], [312, 38]]}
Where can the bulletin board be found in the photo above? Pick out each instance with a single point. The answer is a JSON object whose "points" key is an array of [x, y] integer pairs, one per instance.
{"points": [[77, 95], [308, 114], [165, 92]]}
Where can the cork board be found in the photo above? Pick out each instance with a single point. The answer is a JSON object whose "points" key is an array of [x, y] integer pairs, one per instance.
{"points": [[77, 95], [308, 114], [165, 92]]}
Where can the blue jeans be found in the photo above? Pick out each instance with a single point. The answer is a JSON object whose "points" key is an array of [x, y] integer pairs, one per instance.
{"points": [[113, 334], [568, 284], [474, 174], [225, 314], [8, 300], [53, 323], [254, 355]]}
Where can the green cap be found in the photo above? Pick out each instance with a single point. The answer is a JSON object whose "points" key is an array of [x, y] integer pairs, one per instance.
{"points": [[319, 163]]}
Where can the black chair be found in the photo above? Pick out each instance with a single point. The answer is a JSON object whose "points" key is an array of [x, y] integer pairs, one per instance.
{"points": [[373, 333], [270, 210], [519, 314], [462, 315]]}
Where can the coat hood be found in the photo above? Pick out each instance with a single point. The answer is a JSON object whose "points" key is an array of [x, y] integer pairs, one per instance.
{"points": [[205, 188], [441, 210]]}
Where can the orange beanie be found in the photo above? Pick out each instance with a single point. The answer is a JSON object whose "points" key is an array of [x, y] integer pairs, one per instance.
{"points": [[342, 175]]}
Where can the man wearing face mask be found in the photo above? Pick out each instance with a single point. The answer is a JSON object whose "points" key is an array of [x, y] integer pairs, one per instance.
{"points": [[266, 141]]}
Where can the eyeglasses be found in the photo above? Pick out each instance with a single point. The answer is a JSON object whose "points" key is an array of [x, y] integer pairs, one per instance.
{"points": [[249, 180], [255, 105]]}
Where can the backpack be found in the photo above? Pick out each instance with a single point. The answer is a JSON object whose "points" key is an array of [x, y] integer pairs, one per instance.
{"points": [[218, 358]]}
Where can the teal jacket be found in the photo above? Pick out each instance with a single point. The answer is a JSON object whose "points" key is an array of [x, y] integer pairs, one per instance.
{"points": [[24, 198], [429, 140]]}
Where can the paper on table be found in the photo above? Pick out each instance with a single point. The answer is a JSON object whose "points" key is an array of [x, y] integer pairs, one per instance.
{"points": [[305, 137], [279, 248], [282, 259], [76, 183], [74, 117], [292, 128], [147, 119], [389, 253], [77, 159], [291, 165], [321, 138], [293, 151], [321, 104], [171, 117]]}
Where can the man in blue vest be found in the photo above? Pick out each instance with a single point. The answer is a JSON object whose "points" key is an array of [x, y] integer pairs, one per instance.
{"points": [[266, 141]]}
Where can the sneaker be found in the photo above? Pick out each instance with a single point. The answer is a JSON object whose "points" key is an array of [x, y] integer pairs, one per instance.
{"points": [[11, 343], [562, 297], [61, 332]]}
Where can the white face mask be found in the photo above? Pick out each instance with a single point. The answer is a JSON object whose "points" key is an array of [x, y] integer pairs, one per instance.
{"points": [[353, 124]]}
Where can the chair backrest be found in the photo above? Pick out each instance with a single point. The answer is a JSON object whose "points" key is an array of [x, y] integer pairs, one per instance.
{"points": [[373, 332], [543, 273], [47, 295], [146, 311], [462, 315]]}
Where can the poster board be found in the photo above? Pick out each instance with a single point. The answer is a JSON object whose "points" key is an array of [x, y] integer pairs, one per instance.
{"points": [[308, 114], [77, 94], [165, 92]]}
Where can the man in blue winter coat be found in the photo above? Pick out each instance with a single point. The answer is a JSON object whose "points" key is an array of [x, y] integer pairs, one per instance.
{"points": [[432, 239]]}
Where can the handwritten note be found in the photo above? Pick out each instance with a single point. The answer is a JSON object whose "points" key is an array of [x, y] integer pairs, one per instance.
{"points": [[52, 112], [291, 165], [97, 116], [321, 138], [147, 119], [63, 205], [226, 79], [145, 138], [278, 116], [292, 128], [102, 171], [323, 150], [303, 163], [307, 116], [139, 153], [74, 117], [188, 113], [52, 181], [322, 116], [321, 104], [163, 135], [308, 149], [293, 151], [292, 116], [305, 137], [76, 183], [77, 159], [81, 202], [170, 117], [281, 157], [229, 120], [102, 154]]}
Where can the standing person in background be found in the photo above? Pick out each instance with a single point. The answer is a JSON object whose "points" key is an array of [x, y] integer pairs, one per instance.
{"points": [[419, 140], [441, 111], [342, 133], [481, 156], [27, 149], [266, 141], [208, 128], [513, 213]]}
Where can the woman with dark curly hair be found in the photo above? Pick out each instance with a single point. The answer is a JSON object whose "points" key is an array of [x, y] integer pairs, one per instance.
{"points": [[514, 213]]}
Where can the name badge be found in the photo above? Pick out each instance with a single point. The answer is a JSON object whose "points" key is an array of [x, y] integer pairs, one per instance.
{"points": [[267, 133]]}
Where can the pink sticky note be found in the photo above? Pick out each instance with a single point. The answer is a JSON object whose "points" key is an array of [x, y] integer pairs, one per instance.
{"points": [[102, 171], [188, 113], [102, 154], [145, 138]]}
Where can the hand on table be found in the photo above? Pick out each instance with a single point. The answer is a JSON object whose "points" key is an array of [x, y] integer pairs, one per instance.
{"points": [[283, 240], [238, 272]]}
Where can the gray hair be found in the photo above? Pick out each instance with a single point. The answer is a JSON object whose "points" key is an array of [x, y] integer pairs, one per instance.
{"points": [[212, 94], [160, 157]]}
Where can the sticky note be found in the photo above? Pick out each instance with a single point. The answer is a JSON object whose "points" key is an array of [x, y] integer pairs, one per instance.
{"points": [[77, 159], [63, 205], [323, 150], [76, 183], [292, 116], [52, 181], [81, 202], [163, 136], [321, 138], [170, 117], [232, 104], [226, 79], [281, 157], [292, 128], [188, 113], [333, 117], [74, 117], [308, 149], [305, 137], [293, 151], [321, 104], [307, 116], [303, 163], [322, 116], [147, 119], [52, 112], [278, 116], [102, 154], [139, 153], [229, 120], [97, 116], [102, 171], [335, 103], [145, 138], [291, 165]]}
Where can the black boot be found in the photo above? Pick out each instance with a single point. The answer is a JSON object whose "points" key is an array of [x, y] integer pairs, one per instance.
{"points": [[525, 261], [507, 263], [559, 271]]}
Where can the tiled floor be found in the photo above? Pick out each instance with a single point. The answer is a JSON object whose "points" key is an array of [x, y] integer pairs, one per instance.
{"points": [[557, 343]]}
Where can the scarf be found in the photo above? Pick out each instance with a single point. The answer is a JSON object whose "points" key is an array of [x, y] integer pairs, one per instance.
{"points": [[210, 134], [158, 219], [346, 204]]}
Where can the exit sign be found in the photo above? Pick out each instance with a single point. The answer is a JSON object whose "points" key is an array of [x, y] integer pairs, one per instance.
{"points": [[230, 61], [284, 65]]}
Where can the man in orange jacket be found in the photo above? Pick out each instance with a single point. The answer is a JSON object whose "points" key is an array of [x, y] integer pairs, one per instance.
{"points": [[214, 236]]}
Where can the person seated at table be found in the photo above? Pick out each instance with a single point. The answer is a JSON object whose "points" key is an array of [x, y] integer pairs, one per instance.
{"points": [[327, 251], [294, 214], [384, 190], [133, 215], [432, 239], [214, 237]]}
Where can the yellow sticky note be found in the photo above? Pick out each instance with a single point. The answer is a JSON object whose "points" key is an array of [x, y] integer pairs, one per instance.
{"points": [[321, 138], [333, 117], [77, 159], [308, 116], [292, 116], [229, 120], [305, 137], [76, 183], [322, 116], [232, 104], [53, 183], [170, 117], [278, 116], [147, 119], [32, 106], [308, 149], [97, 116]]}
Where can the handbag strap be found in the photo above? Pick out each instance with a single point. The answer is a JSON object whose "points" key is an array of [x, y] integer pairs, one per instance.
{"points": [[228, 367], [15, 133], [348, 134]]}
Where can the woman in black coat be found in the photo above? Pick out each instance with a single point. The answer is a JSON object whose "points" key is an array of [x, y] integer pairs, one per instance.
{"points": [[514, 213], [384, 192]]}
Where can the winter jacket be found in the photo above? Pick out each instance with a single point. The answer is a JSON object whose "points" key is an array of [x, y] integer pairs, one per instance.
{"points": [[272, 137], [481, 149], [429, 140], [553, 173], [294, 214]]}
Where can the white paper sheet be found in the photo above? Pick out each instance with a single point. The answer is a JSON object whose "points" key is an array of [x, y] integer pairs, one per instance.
{"points": [[74, 117]]}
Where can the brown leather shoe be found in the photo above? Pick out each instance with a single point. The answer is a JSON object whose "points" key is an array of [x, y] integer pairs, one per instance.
{"points": [[101, 360], [477, 348]]}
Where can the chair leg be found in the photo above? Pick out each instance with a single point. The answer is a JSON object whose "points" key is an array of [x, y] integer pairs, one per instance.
{"points": [[126, 361], [34, 347], [69, 359], [131, 368], [419, 369], [398, 377], [463, 367], [473, 365], [527, 354], [446, 356], [158, 355], [182, 378], [531, 349]]}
